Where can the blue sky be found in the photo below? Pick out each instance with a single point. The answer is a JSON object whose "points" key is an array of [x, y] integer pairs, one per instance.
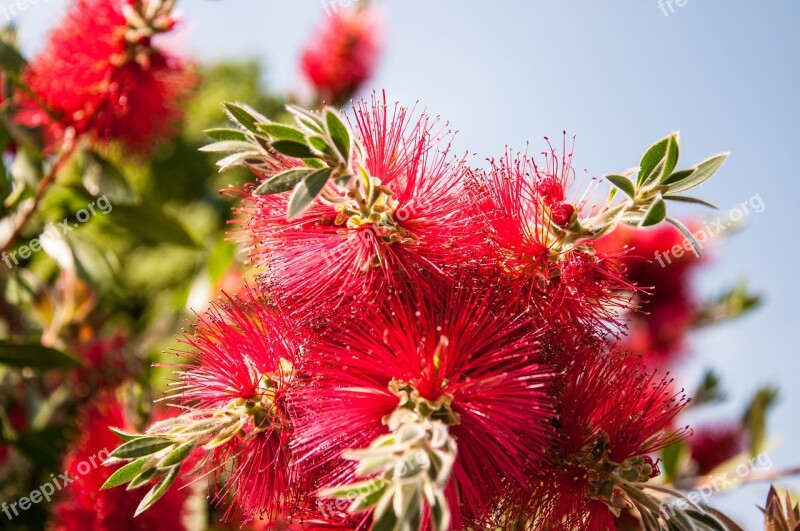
{"points": [[619, 75]]}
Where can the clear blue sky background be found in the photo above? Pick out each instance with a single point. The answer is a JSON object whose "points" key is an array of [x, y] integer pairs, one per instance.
{"points": [[620, 75]]}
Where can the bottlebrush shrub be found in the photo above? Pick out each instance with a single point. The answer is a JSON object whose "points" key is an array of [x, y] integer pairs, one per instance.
{"points": [[103, 76], [428, 347]]}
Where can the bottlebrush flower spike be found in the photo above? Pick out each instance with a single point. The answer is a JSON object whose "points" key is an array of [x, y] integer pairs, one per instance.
{"points": [[658, 332], [713, 445], [612, 414], [370, 210], [102, 75], [234, 394], [343, 54], [439, 399], [82, 505], [528, 215]]}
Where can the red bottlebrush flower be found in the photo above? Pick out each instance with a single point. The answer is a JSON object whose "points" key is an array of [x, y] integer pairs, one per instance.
{"points": [[330, 256], [82, 505], [244, 357], [659, 331], [470, 361], [612, 413], [342, 55], [713, 445], [100, 75], [526, 209]]}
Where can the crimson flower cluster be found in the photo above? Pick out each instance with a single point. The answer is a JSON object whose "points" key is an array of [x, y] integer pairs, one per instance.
{"points": [[102, 75], [429, 345]]}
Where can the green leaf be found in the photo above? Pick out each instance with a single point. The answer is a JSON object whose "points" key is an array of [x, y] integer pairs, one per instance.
{"points": [[671, 459], [283, 182], [306, 191], [227, 146], [143, 479], [665, 166], [307, 119], [158, 491], [677, 176], [10, 58], [35, 356], [293, 149], [655, 213], [244, 115], [651, 158], [223, 134], [687, 234], [177, 456], [693, 200], [125, 474], [141, 447], [339, 134], [623, 183], [320, 144], [368, 500], [755, 418], [124, 435], [283, 132], [700, 174]]}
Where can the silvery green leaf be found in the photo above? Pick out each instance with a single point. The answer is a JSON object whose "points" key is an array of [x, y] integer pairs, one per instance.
{"points": [[623, 183], [125, 474], [141, 447], [177, 456], [702, 172], [221, 134], [282, 132], [687, 233], [306, 191], [651, 158], [283, 181], [293, 149], [227, 146], [244, 115], [693, 200], [338, 133], [655, 213], [158, 491], [145, 477]]}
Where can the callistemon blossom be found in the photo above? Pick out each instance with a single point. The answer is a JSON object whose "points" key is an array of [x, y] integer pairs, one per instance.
{"points": [[538, 241], [612, 414], [659, 331], [400, 216], [437, 399], [343, 54], [101, 74], [80, 502], [714, 444], [234, 400]]}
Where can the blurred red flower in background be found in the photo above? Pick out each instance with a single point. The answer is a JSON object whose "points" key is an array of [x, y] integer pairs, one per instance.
{"points": [[342, 55], [82, 505], [100, 74], [657, 332]]}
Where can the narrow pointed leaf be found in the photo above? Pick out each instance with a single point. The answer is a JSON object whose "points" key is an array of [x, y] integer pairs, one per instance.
{"points": [[306, 191], [338, 133], [687, 233], [693, 200], [158, 491], [177, 456], [244, 115], [651, 158], [655, 214], [623, 183], [125, 474], [220, 135], [283, 132], [701, 174], [283, 182], [141, 447], [293, 149]]}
